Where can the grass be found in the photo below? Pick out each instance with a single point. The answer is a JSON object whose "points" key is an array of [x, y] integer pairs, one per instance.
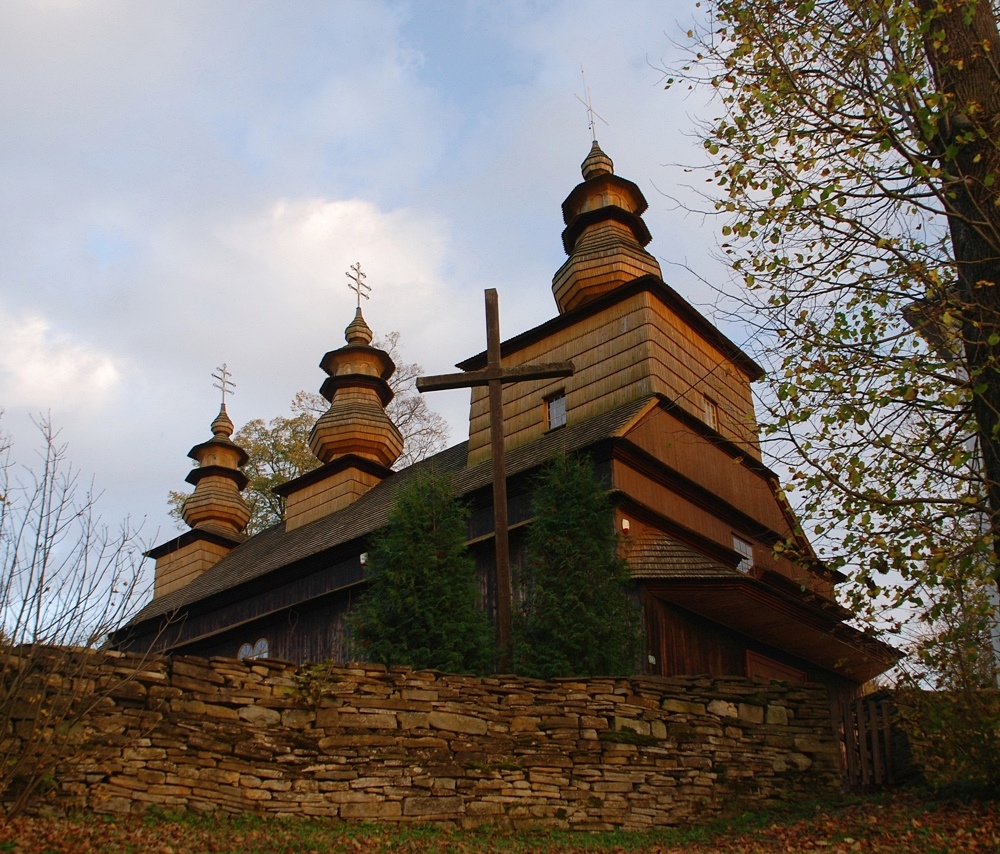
{"points": [[903, 823]]}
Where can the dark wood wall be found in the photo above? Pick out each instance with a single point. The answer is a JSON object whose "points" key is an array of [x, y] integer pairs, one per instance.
{"points": [[313, 632], [685, 644]]}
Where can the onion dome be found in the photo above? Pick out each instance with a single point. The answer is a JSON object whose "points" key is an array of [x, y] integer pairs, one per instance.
{"points": [[604, 235], [358, 391], [216, 503]]}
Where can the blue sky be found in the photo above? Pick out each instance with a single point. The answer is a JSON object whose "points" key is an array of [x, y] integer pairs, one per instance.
{"points": [[185, 183]]}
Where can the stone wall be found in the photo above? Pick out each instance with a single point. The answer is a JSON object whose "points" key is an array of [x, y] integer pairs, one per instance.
{"points": [[361, 743]]}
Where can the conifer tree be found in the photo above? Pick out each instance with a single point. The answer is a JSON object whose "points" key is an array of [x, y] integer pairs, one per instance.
{"points": [[421, 606], [578, 618]]}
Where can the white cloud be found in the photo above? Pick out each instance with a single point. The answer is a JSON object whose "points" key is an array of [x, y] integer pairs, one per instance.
{"points": [[186, 183], [40, 365]]}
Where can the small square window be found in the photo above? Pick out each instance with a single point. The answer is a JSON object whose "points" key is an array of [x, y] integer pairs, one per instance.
{"points": [[745, 551], [710, 413], [556, 407]]}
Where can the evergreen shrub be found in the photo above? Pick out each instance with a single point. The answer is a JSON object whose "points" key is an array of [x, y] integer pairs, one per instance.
{"points": [[577, 616], [421, 604]]}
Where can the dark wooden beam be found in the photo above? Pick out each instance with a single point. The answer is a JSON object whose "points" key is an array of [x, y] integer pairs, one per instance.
{"points": [[494, 376]]}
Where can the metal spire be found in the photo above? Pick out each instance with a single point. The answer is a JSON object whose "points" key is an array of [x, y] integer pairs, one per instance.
{"points": [[357, 283], [591, 112], [224, 384]]}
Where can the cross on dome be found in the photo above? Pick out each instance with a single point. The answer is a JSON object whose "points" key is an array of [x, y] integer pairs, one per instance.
{"points": [[357, 283], [591, 112], [224, 384]]}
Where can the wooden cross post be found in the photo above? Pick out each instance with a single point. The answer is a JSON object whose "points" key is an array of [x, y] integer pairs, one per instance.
{"points": [[494, 376]]}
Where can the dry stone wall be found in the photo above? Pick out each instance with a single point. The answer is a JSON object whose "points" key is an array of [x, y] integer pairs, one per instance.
{"points": [[361, 743]]}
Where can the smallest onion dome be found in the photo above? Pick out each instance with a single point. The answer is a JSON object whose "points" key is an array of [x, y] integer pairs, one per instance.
{"points": [[216, 503]]}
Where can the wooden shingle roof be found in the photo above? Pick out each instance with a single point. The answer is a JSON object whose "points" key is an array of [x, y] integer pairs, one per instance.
{"points": [[275, 548], [657, 555]]}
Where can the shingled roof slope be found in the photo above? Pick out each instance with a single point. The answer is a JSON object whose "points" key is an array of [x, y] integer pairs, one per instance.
{"points": [[275, 548], [656, 555]]}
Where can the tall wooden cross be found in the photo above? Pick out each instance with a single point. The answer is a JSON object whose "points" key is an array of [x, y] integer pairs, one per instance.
{"points": [[494, 376]]}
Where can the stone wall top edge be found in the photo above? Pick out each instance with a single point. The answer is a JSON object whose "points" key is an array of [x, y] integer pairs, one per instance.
{"points": [[637, 685]]}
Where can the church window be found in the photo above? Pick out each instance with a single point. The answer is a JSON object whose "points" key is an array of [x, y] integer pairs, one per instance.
{"points": [[745, 551], [710, 413], [260, 649], [556, 406]]}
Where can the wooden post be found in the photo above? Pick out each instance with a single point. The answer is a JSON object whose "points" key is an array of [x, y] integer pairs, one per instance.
{"points": [[494, 377]]}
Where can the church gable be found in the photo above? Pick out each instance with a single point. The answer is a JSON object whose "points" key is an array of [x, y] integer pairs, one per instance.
{"points": [[638, 341]]}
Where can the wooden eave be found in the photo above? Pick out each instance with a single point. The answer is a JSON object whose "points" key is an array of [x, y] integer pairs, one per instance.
{"points": [[317, 474], [235, 475], [195, 452], [596, 186], [741, 457], [801, 629], [650, 284], [193, 536], [330, 359], [332, 384], [650, 516], [656, 470], [631, 221]]}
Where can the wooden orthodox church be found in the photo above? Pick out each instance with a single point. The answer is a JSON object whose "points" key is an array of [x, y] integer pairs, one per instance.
{"points": [[661, 402]]}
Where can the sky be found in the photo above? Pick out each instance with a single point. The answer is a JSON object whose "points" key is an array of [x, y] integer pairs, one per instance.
{"points": [[186, 183]]}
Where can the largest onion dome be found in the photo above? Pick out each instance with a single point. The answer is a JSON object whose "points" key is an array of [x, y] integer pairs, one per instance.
{"points": [[604, 235]]}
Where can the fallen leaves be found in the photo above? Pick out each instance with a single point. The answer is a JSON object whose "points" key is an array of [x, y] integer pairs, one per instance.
{"points": [[904, 823]]}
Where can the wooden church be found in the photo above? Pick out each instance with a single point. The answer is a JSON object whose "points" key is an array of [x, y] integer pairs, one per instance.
{"points": [[660, 400]]}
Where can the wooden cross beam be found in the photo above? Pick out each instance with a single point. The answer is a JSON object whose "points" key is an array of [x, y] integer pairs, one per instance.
{"points": [[494, 376]]}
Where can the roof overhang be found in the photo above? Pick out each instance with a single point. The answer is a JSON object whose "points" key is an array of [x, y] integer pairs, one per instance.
{"points": [[750, 607]]}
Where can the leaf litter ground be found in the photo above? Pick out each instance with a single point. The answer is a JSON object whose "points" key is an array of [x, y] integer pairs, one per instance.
{"points": [[904, 823]]}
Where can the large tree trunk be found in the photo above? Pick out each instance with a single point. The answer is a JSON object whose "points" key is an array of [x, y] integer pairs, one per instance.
{"points": [[963, 47]]}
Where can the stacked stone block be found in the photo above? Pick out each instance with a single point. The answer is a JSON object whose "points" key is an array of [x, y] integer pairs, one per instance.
{"points": [[361, 743]]}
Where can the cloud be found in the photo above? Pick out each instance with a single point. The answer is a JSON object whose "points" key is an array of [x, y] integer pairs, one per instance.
{"points": [[186, 183], [40, 365]]}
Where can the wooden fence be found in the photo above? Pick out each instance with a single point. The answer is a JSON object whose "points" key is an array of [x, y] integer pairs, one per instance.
{"points": [[865, 729]]}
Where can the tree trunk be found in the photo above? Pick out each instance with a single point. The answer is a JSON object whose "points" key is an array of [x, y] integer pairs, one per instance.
{"points": [[962, 46]]}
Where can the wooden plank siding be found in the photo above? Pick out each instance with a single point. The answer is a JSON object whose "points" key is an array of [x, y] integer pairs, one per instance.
{"points": [[696, 457], [685, 644], [701, 488], [310, 632], [265, 603], [628, 350], [177, 568]]}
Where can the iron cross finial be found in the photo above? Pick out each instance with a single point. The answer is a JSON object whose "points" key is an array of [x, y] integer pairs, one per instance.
{"points": [[591, 112], [357, 282], [224, 384]]}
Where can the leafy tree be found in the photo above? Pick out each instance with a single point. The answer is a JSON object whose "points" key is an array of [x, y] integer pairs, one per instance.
{"points": [[279, 449], [578, 618], [856, 159], [420, 606]]}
